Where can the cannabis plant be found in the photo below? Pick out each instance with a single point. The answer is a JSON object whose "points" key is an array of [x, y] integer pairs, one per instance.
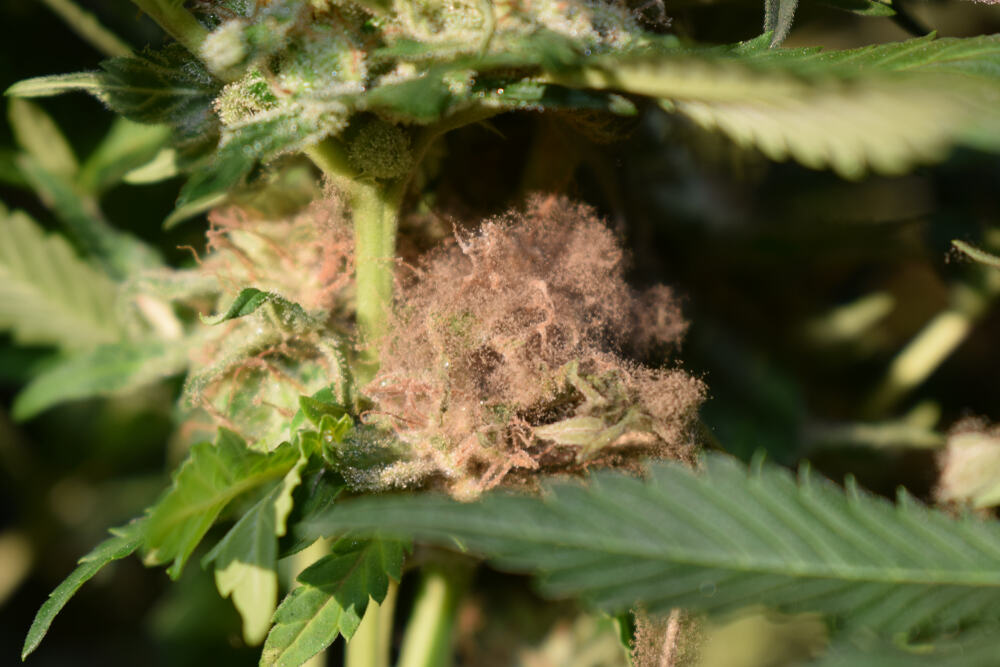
{"points": [[385, 381]]}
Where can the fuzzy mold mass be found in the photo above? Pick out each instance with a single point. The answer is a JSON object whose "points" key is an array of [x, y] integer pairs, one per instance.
{"points": [[506, 358]]}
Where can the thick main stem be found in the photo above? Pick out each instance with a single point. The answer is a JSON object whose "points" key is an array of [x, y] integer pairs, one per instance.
{"points": [[374, 208]]}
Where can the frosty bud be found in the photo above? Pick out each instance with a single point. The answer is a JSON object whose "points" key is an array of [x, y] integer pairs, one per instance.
{"points": [[380, 149], [225, 47]]}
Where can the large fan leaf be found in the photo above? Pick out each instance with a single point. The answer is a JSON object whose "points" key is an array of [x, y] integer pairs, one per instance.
{"points": [[123, 542], [102, 371], [212, 475], [971, 649], [332, 599], [48, 295], [719, 539], [884, 108]]}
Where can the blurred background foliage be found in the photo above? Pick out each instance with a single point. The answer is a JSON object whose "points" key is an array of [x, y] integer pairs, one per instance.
{"points": [[802, 289]]}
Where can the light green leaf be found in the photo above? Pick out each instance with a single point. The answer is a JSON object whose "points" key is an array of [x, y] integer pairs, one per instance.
{"points": [[331, 600], [102, 371], [125, 540], [39, 136], [883, 108], [48, 295], [573, 431], [245, 559], [57, 84], [121, 253], [211, 476], [161, 167], [243, 145], [716, 540], [126, 147]]}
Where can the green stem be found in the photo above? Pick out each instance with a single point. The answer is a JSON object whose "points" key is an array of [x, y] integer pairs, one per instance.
{"points": [[370, 644], [374, 210], [176, 21], [374, 207], [431, 628]]}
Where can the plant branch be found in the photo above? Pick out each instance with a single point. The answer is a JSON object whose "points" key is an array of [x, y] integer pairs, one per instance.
{"points": [[86, 25], [176, 21]]}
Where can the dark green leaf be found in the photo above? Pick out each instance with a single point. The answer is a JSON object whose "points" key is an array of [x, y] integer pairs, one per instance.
{"points": [[332, 599], [977, 648], [716, 540], [288, 315], [317, 493], [126, 540], [169, 87]]}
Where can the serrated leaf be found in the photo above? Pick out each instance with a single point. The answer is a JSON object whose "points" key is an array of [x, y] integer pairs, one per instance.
{"points": [[125, 540], [102, 371], [977, 648], [243, 145], [120, 253], [716, 540], [38, 135], [48, 295], [332, 599], [317, 493], [245, 559], [883, 108], [210, 477], [168, 86]]}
